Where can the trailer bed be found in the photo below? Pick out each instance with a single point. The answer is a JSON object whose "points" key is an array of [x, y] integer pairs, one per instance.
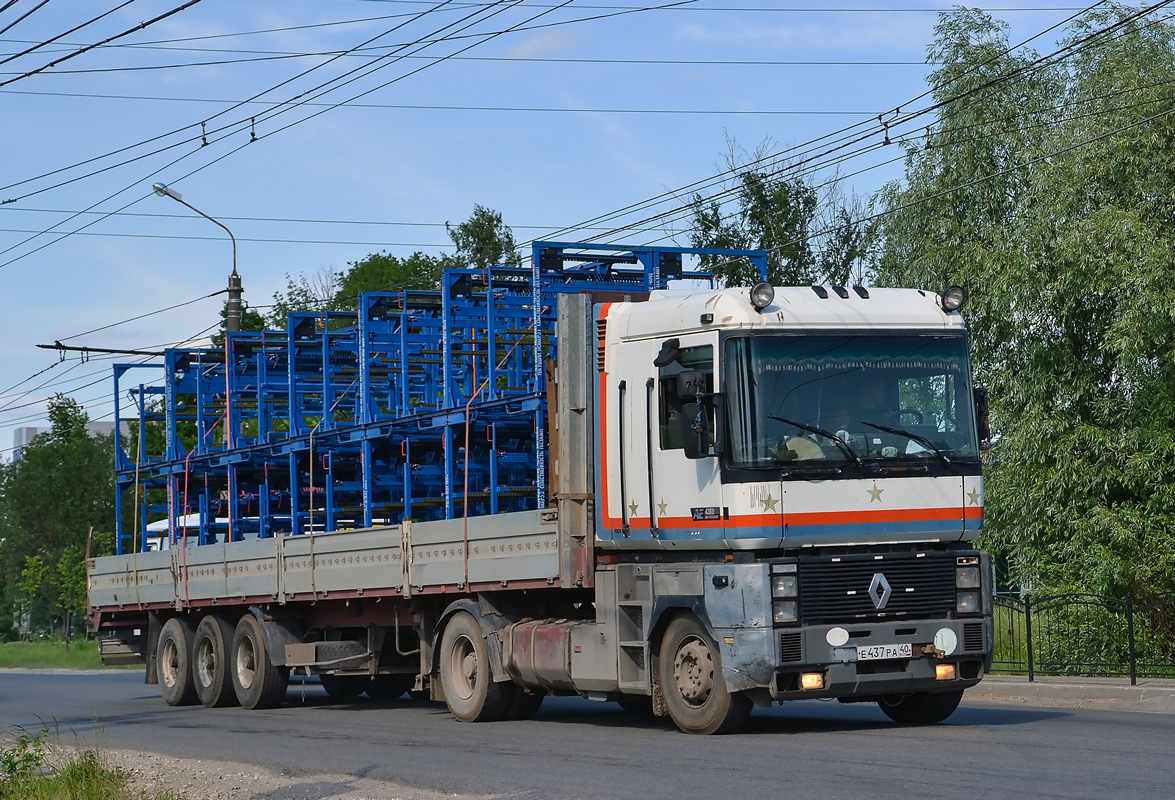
{"points": [[517, 550]]}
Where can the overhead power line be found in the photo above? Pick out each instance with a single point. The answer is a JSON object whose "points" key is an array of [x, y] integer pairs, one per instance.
{"points": [[75, 29], [88, 48]]}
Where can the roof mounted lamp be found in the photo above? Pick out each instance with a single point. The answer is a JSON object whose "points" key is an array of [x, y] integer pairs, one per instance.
{"points": [[762, 295], [953, 298]]}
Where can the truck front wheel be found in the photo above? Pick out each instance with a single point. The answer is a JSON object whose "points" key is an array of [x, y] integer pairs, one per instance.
{"points": [[257, 682], [691, 678], [470, 690], [920, 708], [174, 662]]}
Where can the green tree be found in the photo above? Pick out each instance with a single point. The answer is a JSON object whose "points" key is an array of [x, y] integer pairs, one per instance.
{"points": [[62, 485], [30, 588], [808, 231], [70, 582], [1047, 191], [484, 240]]}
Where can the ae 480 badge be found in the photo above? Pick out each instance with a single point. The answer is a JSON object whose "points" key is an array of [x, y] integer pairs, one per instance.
{"points": [[709, 513]]}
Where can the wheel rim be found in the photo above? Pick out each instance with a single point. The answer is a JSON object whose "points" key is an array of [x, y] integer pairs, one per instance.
{"points": [[169, 668], [463, 667], [246, 663], [693, 671], [205, 662]]}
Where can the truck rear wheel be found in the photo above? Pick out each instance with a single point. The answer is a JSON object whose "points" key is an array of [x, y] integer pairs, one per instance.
{"points": [[257, 682], [691, 677], [470, 690], [210, 662], [344, 687], [174, 663], [920, 708]]}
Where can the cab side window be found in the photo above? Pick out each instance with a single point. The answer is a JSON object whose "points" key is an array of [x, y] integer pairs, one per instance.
{"points": [[669, 399]]}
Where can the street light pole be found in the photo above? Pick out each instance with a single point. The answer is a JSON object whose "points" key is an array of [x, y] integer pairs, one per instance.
{"points": [[232, 321]]}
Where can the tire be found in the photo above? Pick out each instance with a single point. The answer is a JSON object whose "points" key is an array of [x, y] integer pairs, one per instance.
{"points": [[920, 708], [256, 681], [173, 659], [210, 662], [636, 704], [691, 678], [344, 687], [390, 687], [471, 693], [524, 704]]}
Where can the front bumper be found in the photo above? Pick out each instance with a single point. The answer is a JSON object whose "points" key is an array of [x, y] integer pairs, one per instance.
{"points": [[775, 658], [832, 650]]}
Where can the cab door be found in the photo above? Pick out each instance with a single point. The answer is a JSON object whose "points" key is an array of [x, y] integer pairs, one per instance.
{"points": [[686, 493]]}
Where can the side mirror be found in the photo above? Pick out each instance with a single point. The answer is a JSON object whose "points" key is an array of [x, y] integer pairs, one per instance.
{"points": [[694, 431], [982, 418], [691, 384]]}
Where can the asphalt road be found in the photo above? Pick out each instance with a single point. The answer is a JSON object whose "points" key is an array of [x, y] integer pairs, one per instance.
{"points": [[579, 749]]}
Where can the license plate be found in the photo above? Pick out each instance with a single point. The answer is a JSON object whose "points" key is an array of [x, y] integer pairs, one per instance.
{"points": [[877, 652]]}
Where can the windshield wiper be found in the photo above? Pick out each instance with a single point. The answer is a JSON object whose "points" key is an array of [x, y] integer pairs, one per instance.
{"points": [[841, 443], [915, 437]]}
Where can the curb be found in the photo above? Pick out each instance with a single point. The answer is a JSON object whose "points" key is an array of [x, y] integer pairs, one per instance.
{"points": [[1056, 688]]}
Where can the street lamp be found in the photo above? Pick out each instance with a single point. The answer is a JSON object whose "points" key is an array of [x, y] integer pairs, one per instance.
{"points": [[232, 321]]}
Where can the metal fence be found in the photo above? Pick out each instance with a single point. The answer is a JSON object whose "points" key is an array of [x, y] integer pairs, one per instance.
{"points": [[1085, 634]]}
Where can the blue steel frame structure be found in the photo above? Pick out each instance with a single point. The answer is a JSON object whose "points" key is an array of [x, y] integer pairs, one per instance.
{"points": [[417, 405]]}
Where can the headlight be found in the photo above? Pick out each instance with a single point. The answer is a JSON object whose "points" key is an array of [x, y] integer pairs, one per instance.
{"points": [[785, 611], [967, 602], [967, 578], [785, 586]]}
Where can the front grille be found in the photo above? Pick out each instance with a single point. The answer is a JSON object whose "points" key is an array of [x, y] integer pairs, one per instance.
{"points": [[973, 637], [837, 589], [790, 647]]}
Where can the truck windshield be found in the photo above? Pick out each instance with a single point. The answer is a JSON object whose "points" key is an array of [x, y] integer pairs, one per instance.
{"points": [[898, 397]]}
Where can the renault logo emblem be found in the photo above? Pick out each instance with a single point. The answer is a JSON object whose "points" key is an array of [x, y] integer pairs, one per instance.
{"points": [[879, 590]]}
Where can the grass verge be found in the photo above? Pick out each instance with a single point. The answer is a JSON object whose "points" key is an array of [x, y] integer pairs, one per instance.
{"points": [[34, 769], [50, 654]]}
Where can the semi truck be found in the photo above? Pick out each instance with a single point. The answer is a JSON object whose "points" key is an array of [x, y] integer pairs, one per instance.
{"points": [[601, 475]]}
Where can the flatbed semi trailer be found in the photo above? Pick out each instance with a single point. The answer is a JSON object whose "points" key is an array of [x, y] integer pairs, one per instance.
{"points": [[568, 479]]}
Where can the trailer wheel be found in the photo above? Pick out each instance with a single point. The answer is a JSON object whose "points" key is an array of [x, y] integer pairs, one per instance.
{"points": [[390, 687], [210, 662], [691, 675], [257, 682], [344, 687], [173, 662], [470, 690], [920, 708]]}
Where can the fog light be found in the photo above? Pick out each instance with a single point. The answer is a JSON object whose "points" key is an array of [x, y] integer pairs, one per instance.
{"points": [[944, 672], [812, 680], [967, 577], [785, 611], [967, 602], [785, 585]]}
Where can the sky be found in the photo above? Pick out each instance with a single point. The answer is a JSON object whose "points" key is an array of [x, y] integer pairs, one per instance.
{"points": [[321, 131]]}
